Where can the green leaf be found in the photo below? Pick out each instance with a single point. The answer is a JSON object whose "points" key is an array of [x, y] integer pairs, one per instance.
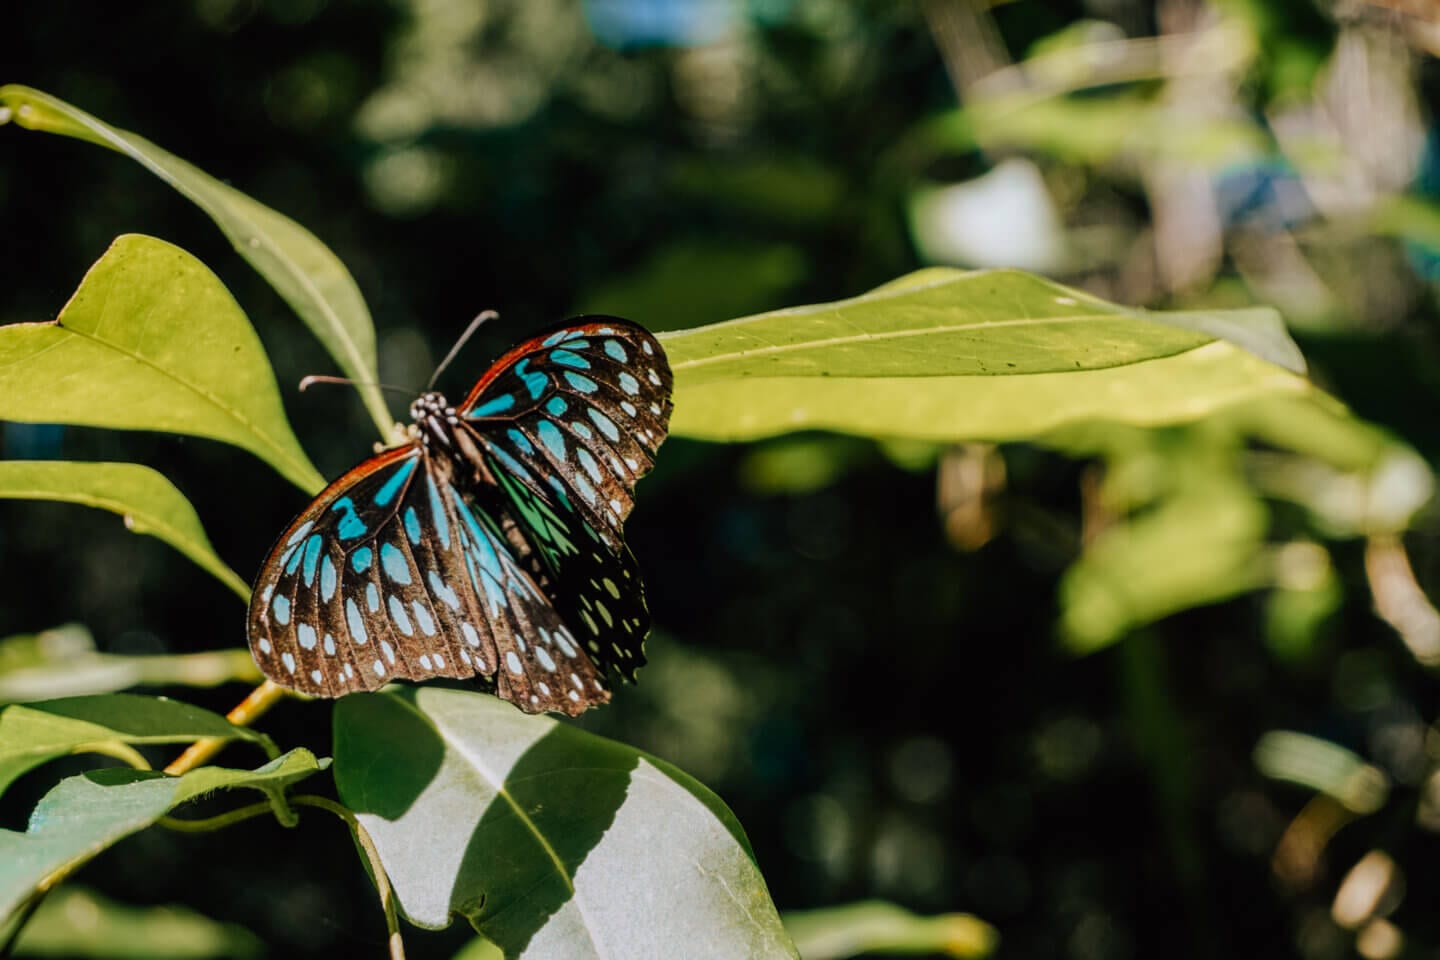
{"points": [[874, 926], [552, 841], [86, 814], [147, 501], [988, 355], [79, 922], [1203, 545], [301, 269], [152, 340], [31, 734]]}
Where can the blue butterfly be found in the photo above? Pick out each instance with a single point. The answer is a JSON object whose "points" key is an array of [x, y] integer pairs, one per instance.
{"points": [[490, 545]]}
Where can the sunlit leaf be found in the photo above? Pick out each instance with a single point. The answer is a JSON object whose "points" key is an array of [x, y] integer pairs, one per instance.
{"points": [[147, 501], [877, 927], [1200, 546], [302, 269], [31, 734], [536, 830], [987, 355], [85, 814], [78, 922], [151, 340]]}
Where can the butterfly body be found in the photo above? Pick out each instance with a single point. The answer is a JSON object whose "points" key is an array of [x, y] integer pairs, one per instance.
{"points": [[490, 544]]}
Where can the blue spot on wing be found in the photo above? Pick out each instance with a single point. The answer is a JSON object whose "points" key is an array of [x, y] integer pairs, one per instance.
{"points": [[299, 533], [534, 382], [629, 384], [396, 481], [555, 338], [328, 580], [616, 352], [569, 359], [550, 436], [292, 559], [437, 512], [360, 559], [312, 557], [351, 526], [354, 621], [556, 406], [493, 406], [522, 442], [412, 525], [281, 606], [606, 425], [401, 618], [583, 384], [393, 562]]}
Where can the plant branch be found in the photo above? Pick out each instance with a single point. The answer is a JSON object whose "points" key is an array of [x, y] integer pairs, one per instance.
{"points": [[377, 869], [252, 708]]}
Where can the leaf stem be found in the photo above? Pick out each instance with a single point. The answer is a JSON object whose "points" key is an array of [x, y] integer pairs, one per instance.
{"points": [[219, 821], [252, 708], [377, 869]]}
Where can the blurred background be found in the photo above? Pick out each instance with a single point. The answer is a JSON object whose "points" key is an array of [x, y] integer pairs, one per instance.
{"points": [[1175, 696]]}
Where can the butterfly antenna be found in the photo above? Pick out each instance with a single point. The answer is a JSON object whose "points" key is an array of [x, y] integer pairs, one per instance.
{"points": [[315, 378], [469, 331]]}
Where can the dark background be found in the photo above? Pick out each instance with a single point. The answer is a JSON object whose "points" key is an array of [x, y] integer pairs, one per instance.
{"points": [[884, 704]]}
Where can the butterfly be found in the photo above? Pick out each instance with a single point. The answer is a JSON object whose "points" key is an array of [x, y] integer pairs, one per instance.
{"points": [[490, 544]]}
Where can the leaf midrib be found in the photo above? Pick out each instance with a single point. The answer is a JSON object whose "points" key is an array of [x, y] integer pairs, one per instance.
{"points": [[500, 791], [215, 401], [776, 349]]}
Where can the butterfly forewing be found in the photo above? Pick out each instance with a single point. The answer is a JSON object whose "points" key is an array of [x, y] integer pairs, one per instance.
{"points": [[393, 573], [586, 406]]}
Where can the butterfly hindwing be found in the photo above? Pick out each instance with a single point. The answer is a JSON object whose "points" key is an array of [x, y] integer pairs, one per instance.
{"points": [[393, 573], [587, 406]]}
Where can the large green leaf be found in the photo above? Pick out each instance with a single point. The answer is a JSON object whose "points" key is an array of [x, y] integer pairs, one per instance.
{"points": [[555, 843], [78, 922], [302, 269], [84, 815], [31, 734], [992, 355], [152, 340], [147, 501]]}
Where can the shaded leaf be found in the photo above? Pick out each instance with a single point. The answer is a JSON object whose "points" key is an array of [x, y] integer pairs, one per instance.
{"points": [[31, 734], [78, 922], [86, 814], [148, 502], [303, 270], [534, 830], [987, 355], [152, 340], [874, 926]]}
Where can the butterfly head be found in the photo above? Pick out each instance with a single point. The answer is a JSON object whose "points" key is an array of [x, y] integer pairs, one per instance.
{"points": [[434, 415]]}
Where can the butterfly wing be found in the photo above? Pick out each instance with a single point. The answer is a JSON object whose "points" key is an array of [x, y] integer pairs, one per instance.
{"points": [[586, 406], [393, 573], [568, 422]]}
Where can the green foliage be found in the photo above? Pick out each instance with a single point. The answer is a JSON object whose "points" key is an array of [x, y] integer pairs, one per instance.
{"points": [[85, 814], [545, 827], [147, 501], [553, 841], [76, 922], [31, 734], [989, 355], [152, 341], [302, 269]]}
